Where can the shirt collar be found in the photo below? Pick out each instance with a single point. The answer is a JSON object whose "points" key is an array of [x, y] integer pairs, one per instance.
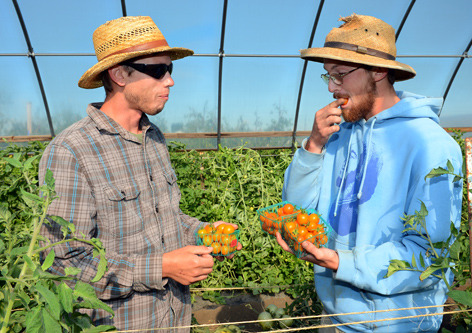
{"points": [[106, 124]]}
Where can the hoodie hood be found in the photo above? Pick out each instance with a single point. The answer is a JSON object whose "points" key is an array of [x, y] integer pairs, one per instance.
{"points": [[412, 106], [409, 106]]}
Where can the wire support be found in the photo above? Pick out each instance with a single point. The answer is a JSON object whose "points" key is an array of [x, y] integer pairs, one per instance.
{"points": [[318, 317]]}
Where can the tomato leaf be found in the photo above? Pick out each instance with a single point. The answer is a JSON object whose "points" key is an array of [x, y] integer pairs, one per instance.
{"points": [[49, 260], [31, 199], [65, 297], [72, 271], [89, 298], [102, 267], [33, 320], [50, 323], [51, 300], [461, 296], [436, 173], [413, 261]]}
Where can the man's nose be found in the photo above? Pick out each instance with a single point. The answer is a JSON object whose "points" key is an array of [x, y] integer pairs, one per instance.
{"points": [[332, 87]]}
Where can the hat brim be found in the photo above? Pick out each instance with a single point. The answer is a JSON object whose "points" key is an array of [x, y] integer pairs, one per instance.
{"points": [[402, 71], [91, 78]]}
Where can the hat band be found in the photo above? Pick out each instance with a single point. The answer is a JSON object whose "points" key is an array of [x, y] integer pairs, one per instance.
{"points": [[360, 49], [140, 47]]}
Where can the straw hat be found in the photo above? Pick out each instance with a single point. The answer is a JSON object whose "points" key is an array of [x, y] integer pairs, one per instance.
{"points": [[126, 38], [362, 40]]}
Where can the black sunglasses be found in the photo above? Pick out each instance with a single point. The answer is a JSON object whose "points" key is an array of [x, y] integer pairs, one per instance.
{"points": [[157, 71]]}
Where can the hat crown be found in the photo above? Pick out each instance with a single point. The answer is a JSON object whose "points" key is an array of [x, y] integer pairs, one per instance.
{"points": [[365, 31], [123, 33]]}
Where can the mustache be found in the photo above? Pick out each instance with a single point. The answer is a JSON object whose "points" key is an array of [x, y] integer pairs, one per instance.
{"points": [[338, 96]]}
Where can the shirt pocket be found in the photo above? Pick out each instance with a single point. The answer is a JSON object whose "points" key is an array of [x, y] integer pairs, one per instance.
{"points": [[173, 187], [124, 216]]}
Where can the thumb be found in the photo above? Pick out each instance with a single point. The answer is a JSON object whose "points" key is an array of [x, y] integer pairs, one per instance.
{"points": [[310, 247]]}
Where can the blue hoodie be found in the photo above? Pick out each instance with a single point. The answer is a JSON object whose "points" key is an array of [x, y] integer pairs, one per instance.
{"points": [[369, 175]]}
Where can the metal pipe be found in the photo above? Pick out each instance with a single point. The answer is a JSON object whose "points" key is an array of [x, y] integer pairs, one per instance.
{"points": [[123, 7], [231, 55], [454, 74], [407, 13], [35, 65], [302, 79], [220, 72]]}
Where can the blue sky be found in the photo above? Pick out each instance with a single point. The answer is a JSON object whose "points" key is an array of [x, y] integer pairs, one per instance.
{"points": [[253, 88]]}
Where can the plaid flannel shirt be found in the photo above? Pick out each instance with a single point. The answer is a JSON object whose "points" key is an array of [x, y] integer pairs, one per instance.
{"points": [[124, 192]]}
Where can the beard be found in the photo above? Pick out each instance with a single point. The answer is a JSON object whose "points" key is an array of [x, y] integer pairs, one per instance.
{"points": [[144, 105], [363, 106]]}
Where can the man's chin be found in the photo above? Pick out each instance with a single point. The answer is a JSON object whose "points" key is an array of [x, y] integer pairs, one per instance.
{"points": [[350, 116]]}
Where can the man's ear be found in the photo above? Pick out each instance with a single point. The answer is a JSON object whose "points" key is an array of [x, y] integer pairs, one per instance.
{"points": [[117, 75], [379, 73]]}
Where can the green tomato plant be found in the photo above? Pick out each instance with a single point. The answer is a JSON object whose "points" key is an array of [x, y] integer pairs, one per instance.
{"points": [[31, 298], [452, 254]]}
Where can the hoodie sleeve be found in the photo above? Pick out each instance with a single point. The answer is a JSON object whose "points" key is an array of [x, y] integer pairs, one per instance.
{"points": [[303, 178], [365, 266]]}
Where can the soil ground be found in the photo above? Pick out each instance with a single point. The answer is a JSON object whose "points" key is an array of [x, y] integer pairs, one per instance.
{"points": [[239, 307], [246, 307]]}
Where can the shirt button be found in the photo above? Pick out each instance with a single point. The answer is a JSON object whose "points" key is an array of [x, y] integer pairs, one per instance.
{"points": [[157, 209], [150, 177]]}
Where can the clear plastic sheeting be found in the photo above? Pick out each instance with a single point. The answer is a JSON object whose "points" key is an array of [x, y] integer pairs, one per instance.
{"points": [[245, 84]]}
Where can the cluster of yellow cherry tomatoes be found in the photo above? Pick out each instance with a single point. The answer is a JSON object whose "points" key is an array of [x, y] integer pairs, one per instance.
{"points": [[295, 226], [223, 239]]}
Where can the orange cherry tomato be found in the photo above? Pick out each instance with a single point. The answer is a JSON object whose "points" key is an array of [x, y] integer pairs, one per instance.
{"points": [[208, 228], [280, 211], [288, 209], [207, 240], [225, 250], [226, 239], [201, 232], [290, 227], [229, 229], [216, 247], [313, 218], [323, 239], [302, 231], [302, 219]]}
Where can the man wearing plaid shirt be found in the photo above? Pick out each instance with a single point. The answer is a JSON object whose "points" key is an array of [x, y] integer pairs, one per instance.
{"points": [[115, 182]]}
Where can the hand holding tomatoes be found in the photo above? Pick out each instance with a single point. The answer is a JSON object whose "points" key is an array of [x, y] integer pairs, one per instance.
{"points": [[188, 264], [221, 237], [295, 225], [320, 256]]}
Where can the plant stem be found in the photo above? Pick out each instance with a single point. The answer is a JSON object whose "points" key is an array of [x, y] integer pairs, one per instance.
{"points": [[37, 223]]}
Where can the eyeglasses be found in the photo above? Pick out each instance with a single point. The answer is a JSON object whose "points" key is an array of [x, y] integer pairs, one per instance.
{"points": [[336, 78], [157, 71]]}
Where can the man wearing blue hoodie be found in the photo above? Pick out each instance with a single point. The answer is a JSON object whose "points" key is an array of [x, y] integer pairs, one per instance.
{"points": [[363, 175]]}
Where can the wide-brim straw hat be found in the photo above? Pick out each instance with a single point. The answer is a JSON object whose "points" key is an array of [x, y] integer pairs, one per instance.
{"points": [[125, 38], [362, 40]]}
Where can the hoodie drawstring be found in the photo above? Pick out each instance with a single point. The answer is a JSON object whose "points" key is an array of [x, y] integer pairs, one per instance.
{"points": [[344, 173], [368, 150], [367, 156]]}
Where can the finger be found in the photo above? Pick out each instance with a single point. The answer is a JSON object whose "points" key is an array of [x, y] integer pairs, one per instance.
{"points": [[216, 224], [333, 120], [337, 102], [201, 250], [282, 243]]}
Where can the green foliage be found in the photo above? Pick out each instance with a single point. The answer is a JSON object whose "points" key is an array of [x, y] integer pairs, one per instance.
{"points": [[443, 255], [230, 185], [32, 299]]}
